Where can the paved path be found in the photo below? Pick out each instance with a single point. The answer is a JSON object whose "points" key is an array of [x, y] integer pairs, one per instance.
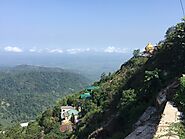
{"points": [[170, 115]]}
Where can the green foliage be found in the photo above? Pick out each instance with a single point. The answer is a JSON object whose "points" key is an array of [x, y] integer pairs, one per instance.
{"points": [[103, 75], [105, 100], [182, 83], [136, 52], [128, 97], [151, 75], [180, 95], [33, 130], [15, 132], [151, 85], [47, 120], [170, 57], [26, 91], [179, 129], [124, 95]]}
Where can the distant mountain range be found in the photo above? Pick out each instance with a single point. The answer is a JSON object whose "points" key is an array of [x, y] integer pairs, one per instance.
{"points": [[90, 65], [27, 90]]}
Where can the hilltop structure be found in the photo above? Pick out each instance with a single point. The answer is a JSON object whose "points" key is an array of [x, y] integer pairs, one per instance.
{"points": [[88, 92], [69, 116], [150, 50]]}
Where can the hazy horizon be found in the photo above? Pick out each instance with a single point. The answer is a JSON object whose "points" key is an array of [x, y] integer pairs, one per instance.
{"points": [[89, 65], [86, 36]]}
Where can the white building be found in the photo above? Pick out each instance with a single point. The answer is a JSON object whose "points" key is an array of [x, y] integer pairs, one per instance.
{"points": [[64, 109], [24, 124]]}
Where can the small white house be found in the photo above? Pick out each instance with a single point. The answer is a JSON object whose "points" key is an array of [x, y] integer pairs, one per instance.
{"points": [[64, 109], [24, 124]]}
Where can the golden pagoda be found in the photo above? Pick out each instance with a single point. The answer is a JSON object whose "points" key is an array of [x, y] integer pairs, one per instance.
{"points": [[149, 48]]}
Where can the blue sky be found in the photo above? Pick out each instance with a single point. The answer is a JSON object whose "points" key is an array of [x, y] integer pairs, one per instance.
{"points": [[76, 26]]}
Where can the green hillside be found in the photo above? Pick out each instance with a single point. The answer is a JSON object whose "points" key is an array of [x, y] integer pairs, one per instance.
{"points": [[27, 90], [120, 98]]}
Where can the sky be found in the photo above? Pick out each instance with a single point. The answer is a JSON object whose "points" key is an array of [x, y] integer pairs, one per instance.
{"points": [[78, 26]]}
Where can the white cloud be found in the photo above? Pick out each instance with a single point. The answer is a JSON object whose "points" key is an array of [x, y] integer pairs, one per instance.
{"points": [[34, 49], [46, 50], [13, 49], [55, 51], [112, 49], [77, 50]]}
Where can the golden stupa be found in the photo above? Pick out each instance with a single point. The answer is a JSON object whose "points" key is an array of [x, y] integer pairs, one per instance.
{"points": [[149, 48]]}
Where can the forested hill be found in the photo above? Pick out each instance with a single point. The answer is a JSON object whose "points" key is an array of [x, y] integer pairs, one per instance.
{"points": [[120, 98], [28, 90]]}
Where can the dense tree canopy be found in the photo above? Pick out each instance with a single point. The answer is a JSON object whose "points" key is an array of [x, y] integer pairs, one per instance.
{"points": [[26, 90]]}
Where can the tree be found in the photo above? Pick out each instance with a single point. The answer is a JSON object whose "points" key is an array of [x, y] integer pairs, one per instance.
{"points": [[136, 52], [103, 76], [34, 130], [47, 120]]}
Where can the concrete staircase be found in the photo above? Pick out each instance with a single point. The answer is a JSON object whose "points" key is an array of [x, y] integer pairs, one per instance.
{"points": [[170, 115], [156, 121]]}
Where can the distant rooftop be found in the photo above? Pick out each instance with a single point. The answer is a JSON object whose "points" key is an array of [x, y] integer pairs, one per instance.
{"points": [[24, 124], [91, 88], [67, 107], [70, 112], [85, 95]]}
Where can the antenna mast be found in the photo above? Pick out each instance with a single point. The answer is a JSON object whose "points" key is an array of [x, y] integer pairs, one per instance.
{"points": [[182, 8]]}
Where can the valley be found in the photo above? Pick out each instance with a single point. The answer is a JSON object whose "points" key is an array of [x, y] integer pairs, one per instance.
{"points": [[26, 91]]}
